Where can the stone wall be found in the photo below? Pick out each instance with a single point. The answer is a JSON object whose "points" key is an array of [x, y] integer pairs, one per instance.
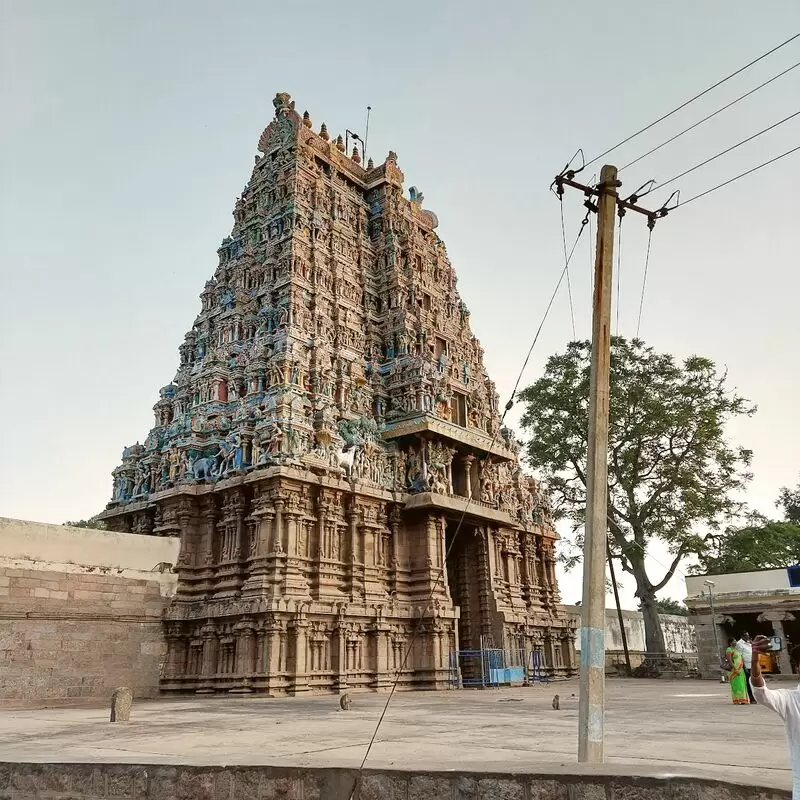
{"points": [[132, 782], [80, 612], [679, 634]]}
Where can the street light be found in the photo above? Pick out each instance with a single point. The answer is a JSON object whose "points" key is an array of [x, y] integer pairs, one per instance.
{"points": [[711, 585]]}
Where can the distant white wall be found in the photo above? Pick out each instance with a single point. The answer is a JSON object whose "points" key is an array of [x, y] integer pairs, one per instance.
{"points": [[39, 543], [738, 582], [679, 635]]}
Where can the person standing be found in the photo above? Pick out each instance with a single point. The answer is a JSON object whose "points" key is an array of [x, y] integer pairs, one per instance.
{"points": [[785, 703], [736, 677], [745, 647]]}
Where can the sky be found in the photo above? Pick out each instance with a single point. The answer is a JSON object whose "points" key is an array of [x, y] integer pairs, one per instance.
{"points": [[128, 130]]}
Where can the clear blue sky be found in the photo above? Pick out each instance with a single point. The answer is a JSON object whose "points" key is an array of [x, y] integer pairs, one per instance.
{"points": [[129, 128]]}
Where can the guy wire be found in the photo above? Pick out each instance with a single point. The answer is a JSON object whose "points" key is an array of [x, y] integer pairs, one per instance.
{"points": [[569, 283], [644, 281], [509, 405]]}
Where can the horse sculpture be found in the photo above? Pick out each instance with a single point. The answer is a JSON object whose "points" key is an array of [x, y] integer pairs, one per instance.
{"points": [[345, 459]]}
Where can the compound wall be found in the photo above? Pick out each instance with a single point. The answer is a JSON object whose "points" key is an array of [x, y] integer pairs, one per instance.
{"points": [[80, 612]]}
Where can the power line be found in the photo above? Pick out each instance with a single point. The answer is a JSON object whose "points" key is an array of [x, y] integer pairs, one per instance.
{"points": [[692, 99], [736, 177], [449, 549], [710, 116], [724, 152]]}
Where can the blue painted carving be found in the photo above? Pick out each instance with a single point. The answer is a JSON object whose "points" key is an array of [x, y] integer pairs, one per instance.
{"points": [[204, 469]]}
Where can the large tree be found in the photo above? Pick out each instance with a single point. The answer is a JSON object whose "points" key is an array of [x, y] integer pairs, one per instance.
{"points": [[672, 474]]}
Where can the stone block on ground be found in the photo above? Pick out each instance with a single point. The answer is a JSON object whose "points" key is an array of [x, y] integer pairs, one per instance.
{"points": [[121, 702]]}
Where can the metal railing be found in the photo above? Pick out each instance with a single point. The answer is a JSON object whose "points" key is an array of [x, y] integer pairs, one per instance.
{"points": [[494, 667]]}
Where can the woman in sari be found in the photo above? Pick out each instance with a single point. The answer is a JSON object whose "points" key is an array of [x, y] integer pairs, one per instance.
{"points": [[736, 675]]}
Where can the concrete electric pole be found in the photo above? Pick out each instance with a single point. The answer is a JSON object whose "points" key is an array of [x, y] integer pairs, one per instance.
{"points": [[593, 608], [591, 718]]}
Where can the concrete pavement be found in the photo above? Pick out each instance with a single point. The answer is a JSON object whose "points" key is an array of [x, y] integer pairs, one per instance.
{"points": [[671, 726]]}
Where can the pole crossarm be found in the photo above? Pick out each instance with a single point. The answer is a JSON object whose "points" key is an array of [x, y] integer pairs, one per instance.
{"points": [[623, 204]]}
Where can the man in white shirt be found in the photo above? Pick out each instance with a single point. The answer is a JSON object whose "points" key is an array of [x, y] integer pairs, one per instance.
{"points": [[745, 647], [786, 703]]}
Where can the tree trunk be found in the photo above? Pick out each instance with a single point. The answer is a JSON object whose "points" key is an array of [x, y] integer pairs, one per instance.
{"points": [[653, 635]]}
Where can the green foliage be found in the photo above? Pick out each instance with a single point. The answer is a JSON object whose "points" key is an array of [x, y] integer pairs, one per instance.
{"points": [[768, 545], [96, 524], [672, 474], [789, 501], [667, 605]]}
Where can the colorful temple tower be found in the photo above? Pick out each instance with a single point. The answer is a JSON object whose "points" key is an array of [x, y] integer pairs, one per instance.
{"points": [[329, 423]]}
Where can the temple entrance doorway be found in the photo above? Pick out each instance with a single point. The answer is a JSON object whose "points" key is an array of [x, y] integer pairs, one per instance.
{"points": [[463, 579]]}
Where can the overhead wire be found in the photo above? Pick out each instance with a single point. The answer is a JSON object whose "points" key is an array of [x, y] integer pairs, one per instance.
{"points": [[722, 153], [710, 116], [692, 99], [509, 405], [736, 177]]}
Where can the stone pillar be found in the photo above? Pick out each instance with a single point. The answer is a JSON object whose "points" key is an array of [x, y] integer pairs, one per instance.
{"points": [[273, 649], [323, 549], [257, 584], [383, 678], [296, 580], [210, 656], [245, 650], [210, 650], [260, 660], [467, 464], [299, 678], [239, 506], [277, 528], [341, 655]]}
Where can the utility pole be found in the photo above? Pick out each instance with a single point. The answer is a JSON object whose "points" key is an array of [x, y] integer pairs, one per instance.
{"points": [[593, 621], [619, 610], [591, 709]]}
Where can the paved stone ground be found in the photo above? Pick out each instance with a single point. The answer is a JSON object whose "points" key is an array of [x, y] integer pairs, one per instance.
{"points": [[672, 726]]}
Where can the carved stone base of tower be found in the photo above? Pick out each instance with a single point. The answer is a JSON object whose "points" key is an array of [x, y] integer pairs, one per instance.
{"points": [[293, 581]]}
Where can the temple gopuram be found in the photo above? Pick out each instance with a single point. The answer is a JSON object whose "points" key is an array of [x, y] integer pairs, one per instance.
{"points": [[330, 422]]}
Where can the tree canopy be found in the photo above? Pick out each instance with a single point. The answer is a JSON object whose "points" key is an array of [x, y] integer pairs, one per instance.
{"points": [[760, 544], [672, 474], [771, 545], [667, 605]]}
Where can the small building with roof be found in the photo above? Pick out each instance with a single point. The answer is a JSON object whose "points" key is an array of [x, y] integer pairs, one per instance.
{"points": [[760, 602]]}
